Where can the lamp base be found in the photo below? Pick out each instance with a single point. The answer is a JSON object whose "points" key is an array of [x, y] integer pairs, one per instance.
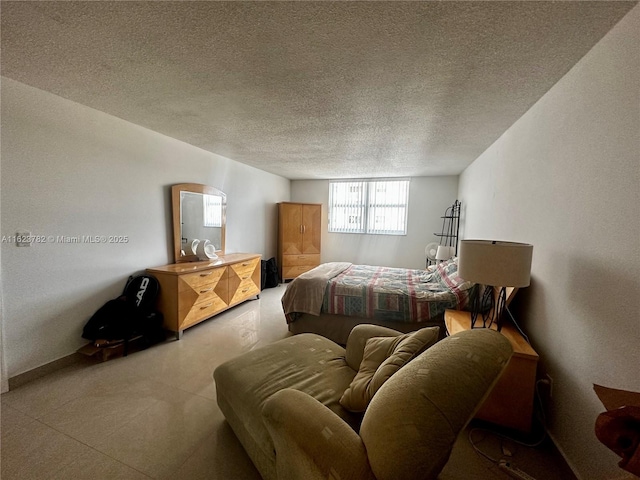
{"points": [[489, 306]]}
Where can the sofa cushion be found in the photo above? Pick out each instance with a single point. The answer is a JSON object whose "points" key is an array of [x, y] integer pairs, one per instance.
{"points": [[306, 362], [382, 357], [358, 338]]}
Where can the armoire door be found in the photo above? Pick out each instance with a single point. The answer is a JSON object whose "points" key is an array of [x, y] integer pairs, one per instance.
{"points": [[291, 225], [311, 228]]}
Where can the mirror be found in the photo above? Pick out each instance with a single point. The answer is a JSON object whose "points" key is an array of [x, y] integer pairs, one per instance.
{"points": [[199, 214]]}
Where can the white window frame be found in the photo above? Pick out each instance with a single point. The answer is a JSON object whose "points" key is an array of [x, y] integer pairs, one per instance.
{"points": [[361, 209]]}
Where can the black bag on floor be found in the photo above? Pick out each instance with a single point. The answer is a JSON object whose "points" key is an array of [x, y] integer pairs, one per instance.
{"points": [[130, 315], [270, 277]]}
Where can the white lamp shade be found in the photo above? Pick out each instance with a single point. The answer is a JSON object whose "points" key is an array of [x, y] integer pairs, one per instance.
{"points": [[444, 252], [495, 263]]}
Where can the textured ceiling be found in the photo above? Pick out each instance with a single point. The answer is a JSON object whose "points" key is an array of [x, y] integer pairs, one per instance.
{"points": [[309, 89]]}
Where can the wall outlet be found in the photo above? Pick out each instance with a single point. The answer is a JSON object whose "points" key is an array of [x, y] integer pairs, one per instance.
{"points": [[550, 380], [544, 394]]}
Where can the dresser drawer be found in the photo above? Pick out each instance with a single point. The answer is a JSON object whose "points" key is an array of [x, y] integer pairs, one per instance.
{"points": [[205, 277], [220, 291], [246, 275], [203, 309], [292, 272], [206, 290], [242, 269], [246, 289], [297, 260], [197, 287], [201, 301]]}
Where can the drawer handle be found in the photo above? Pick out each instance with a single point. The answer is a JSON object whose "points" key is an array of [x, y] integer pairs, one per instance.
{"points": [[204, 307], [207, 290], [244, 278], [245, 264], [245, 290], [205, 274]]}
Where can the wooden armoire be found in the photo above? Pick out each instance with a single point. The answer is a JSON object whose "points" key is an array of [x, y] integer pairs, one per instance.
{"points": [[299, 229]]}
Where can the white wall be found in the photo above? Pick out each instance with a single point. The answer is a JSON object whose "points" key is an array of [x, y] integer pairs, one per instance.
{"points": [[70, 170], [566, 178], [4, 379], [429, 197]]}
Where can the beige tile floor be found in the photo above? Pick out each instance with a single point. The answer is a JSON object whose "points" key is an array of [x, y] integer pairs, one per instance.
{"points": [[153, 413]]}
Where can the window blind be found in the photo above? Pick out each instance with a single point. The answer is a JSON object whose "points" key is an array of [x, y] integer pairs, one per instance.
{"points": [[375, 206], [347, 203], [388, 207]]}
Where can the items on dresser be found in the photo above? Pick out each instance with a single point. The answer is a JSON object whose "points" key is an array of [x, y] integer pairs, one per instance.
{"points": [[299, 231], [193, 292]]}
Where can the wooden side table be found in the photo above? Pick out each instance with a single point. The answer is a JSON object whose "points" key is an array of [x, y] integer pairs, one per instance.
{"points": [[510, 403]]}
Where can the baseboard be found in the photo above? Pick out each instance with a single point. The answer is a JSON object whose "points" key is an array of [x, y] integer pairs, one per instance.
{"points": [[46, 369], [561, 451]]}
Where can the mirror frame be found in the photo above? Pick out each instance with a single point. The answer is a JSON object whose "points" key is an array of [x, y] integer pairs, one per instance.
{"points": [[176, 190]]}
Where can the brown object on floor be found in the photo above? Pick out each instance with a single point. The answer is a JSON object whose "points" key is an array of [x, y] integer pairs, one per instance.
{"points": [[102, 351], [619, 427]]}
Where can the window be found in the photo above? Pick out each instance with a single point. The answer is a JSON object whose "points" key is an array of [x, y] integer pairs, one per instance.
{"points": [[369, 206]]}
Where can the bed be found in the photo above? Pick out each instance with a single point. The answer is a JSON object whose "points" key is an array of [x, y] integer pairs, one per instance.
{"points": [[334, 297]]}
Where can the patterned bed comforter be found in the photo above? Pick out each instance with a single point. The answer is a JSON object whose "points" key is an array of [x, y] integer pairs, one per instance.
{"points": [[396, 294]]}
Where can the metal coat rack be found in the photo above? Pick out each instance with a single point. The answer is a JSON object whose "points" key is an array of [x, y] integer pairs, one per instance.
{"points": [[450, 228]]}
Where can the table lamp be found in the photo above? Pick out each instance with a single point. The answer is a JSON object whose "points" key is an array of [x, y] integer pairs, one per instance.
{"points": [[493, 263], [444, 252]]}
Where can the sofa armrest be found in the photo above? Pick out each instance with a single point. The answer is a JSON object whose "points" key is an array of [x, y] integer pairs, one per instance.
{"points": [[358, 338], [311, 441]]}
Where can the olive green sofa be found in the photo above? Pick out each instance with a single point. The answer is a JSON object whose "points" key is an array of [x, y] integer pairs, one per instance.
{"points": [[283, 403]]}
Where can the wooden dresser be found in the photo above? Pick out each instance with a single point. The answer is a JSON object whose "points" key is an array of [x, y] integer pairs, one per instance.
{"points": [[193, 292], [510, 403], [299, 232]]}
